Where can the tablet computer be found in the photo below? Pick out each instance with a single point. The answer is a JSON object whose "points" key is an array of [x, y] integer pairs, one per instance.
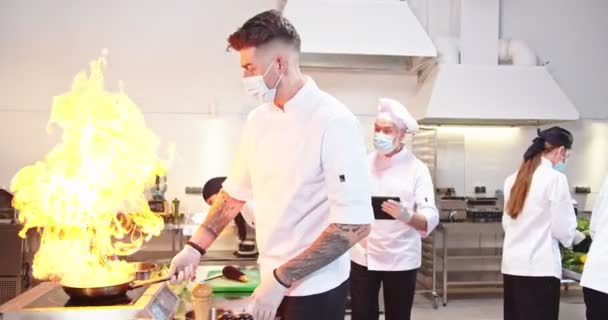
{"points": [[379, 214]]}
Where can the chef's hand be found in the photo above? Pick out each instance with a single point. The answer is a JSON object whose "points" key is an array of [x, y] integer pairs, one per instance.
{"points": [[267, 298], [397, 211], [578, 237], [183, 265]]}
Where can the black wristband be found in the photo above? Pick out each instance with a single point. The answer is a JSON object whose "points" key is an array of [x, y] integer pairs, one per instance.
{"points": [[196, 247], [274, 273]]}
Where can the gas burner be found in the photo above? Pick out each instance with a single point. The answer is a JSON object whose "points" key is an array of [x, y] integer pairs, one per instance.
{"points": [[96, 302]]}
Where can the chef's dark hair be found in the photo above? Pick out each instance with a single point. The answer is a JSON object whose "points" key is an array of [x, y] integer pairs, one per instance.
{"points": [[212, 187], [263, 28], [546, 141]]}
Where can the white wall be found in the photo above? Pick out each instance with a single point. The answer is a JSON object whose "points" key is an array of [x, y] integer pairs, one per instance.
{"points": [[170, 55], [572, 36]]}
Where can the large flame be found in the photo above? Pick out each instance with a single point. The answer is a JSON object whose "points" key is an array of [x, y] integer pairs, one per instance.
{"points": [[86, 198]]}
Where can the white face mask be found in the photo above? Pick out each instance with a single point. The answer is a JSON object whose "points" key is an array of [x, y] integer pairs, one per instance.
{"points": [[384, 143], [255, 86]]}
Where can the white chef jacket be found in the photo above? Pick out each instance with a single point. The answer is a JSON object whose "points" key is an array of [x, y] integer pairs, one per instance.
{"points": [[304, 167], [595, 274], [392, 244], [247, 213], [531, 245]]}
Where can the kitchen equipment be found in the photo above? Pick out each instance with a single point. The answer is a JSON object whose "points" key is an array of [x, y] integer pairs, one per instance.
{"points": [[201, 301], [452, 209], [445, 192], [16, 255], [8, 214], [480, 189], [229, 272], [145, 270], [377, 202], [48, 301], [484, 209], [158, 203], [109, 291], [158, 206], [222, 284], [246, 248], [175, 208]]}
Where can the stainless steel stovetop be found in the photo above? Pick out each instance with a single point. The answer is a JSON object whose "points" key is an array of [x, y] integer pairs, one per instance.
{"points": [[47, 301]]}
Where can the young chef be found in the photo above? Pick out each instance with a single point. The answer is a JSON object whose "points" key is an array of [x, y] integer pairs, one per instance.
{"points": [[391, 255], [595, 274], [538, 216], [302, 161]]}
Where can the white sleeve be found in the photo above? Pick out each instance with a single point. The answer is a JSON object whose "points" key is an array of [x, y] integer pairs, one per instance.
{"points": [[238, 183], [344, 163], [425, 199], [600, 210], [507, 194], [563, 219]]}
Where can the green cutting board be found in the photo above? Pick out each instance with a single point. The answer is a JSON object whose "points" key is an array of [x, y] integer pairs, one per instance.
{"points": [[226, 285]]}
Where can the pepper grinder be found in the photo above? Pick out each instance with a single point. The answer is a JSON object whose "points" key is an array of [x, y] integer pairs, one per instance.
{"points": [[175, 209], [201, 301]]}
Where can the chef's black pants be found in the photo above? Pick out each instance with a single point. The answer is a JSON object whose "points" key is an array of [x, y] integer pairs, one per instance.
{"points": [[531, 298], [597, 304], [399, 287], [330, 305]]}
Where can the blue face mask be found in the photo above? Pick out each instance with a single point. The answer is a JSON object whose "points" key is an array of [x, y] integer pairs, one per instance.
{"points": [[384, 143], [560, 166]]}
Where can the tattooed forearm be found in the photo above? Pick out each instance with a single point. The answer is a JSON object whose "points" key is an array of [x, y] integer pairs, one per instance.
{"points": [[223, 210], [334, 242]]}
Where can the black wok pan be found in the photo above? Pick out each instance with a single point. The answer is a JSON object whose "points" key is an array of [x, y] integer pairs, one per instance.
{"points": [[109, 291]]}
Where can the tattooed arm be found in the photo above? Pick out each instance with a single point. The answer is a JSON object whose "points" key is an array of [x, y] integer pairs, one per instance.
{"points": [[334, 242], [223, 210]]}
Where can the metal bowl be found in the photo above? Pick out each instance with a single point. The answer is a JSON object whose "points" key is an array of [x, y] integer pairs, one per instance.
{"points": [[145, 270]]}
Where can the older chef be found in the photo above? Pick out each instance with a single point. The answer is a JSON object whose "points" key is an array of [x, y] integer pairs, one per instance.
{"points": [[595, 274], [302, 161], [391, 255], [538, 216]]}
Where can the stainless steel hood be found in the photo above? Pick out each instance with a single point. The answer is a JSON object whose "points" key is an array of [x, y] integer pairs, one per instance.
{"points": [[459, 94], [358, 28], [470, 87]]}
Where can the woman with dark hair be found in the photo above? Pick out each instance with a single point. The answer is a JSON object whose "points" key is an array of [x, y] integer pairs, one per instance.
{"points": [[539, 215]]}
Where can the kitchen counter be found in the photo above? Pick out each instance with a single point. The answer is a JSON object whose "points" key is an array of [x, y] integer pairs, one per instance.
{"points": [[471, 227], [236, 303]]}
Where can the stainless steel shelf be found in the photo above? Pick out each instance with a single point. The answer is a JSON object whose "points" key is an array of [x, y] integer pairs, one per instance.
{"points": [[455, 262]]}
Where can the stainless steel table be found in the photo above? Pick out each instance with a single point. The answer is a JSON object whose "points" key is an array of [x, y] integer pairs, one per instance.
{"points": [[492, 253]]}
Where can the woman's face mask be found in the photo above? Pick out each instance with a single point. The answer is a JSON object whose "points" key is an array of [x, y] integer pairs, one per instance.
{"points": [[561, 165]]}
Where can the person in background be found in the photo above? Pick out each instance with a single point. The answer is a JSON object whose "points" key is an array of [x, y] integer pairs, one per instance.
{"points": [[595, 274], [210, 190], [538, 216], [391, 255], [302, 161]]}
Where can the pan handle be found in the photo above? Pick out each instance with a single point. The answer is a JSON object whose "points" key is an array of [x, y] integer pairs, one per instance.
{"points": [[145, 283]]}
